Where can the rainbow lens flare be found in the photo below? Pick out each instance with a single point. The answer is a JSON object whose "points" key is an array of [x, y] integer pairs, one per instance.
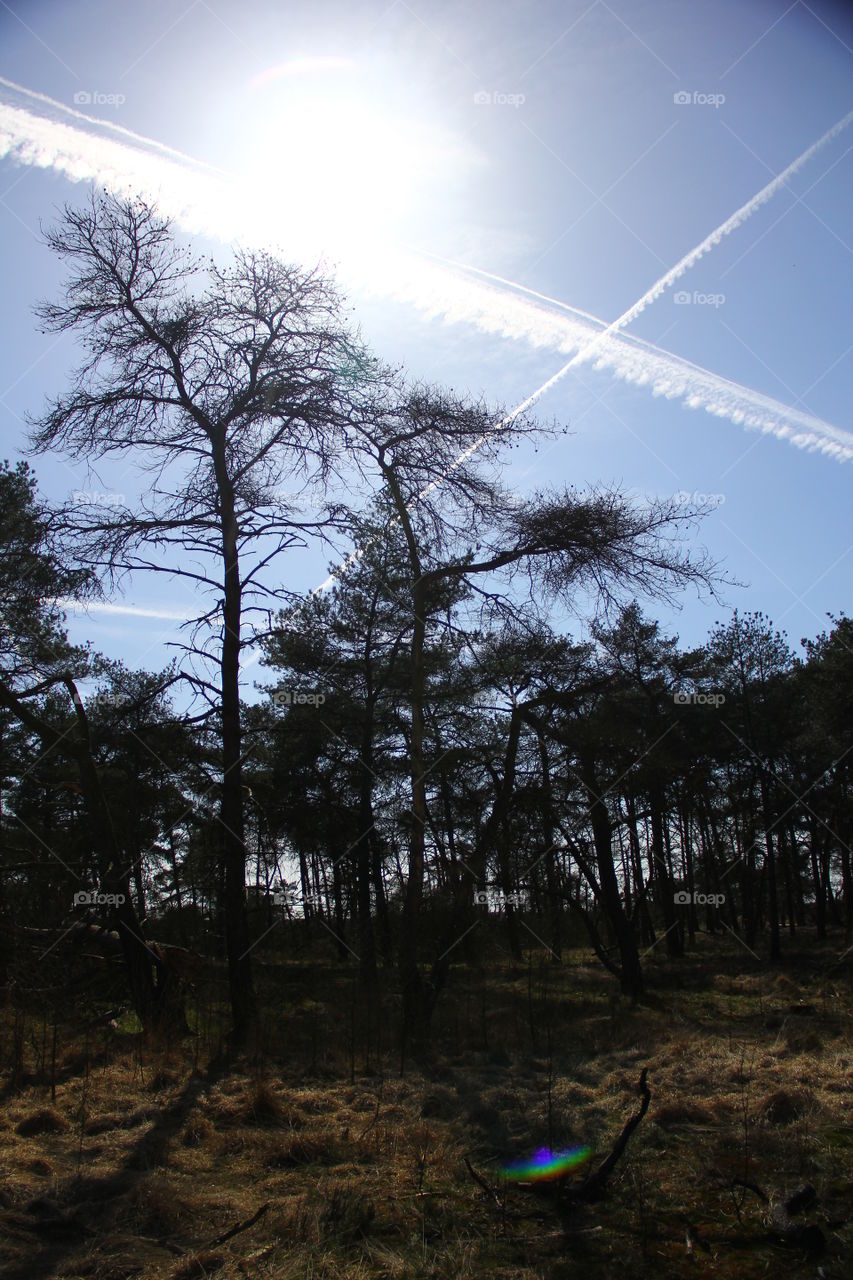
{"points": [[546, 1165]]}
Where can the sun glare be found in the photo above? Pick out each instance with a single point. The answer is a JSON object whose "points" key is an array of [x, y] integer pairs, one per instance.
{"points": [[332, 169]]}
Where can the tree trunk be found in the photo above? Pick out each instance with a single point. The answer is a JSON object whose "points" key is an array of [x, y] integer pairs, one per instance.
{"points": [[366, 940], [417, 999], [631, 974], [797, 874], [749, 912], [817, 878], [243, 1011], [663, 876], [786, 852], [385, 940], [770, 863], [554, 911], [496, 835], [641, 891], [338, 903], [844, 829]]}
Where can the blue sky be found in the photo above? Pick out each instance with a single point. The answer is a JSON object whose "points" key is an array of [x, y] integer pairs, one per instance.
{"points": [[540, 143]]}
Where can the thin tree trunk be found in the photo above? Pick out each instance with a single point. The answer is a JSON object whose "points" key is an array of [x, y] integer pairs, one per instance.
{"points": [[817, 878], [338, 903], [797, 873], [641, 891], [243, 1010], [663, 875], [844, 828], [554, 911], [417, 1004], [366, 940], [631, 974], [786, 854], [770, 864], [176, 888]]}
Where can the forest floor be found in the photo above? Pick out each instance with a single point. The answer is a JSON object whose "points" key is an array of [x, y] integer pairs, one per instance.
{"points": [[150, 1154]]}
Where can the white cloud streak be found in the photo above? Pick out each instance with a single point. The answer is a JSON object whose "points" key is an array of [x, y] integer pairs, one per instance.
{"points": [[731, 224], [689, 260], [37, 131], [122, 610], [448, 291]]}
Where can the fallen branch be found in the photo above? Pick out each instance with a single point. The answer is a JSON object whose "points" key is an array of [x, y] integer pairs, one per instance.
{"points": [[749, 1186], [493, 1193], [481, 1182], [593, 1186], [241, 1226]]}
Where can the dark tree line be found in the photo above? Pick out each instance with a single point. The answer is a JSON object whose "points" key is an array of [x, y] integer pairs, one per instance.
{"points": [[430, 744]]}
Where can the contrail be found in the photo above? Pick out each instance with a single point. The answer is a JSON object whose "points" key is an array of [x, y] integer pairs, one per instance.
{"points": [[451, 293], [681, 267], [138, 139], [203, 199], [684, 264], [196, 196], [652, 294], [122, 610]]}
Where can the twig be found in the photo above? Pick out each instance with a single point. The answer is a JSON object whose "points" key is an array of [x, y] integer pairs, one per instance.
{"points": [[594, 1185], [492, 1192], [241, 1226], [481, 1182], [372, 1122], [750, 1186]]}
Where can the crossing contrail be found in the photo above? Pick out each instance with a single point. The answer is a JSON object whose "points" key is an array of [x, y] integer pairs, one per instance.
{"points": [[635, 360], [659, 287], [684, 264], [36, 130], [654, 292], [199, 197]]}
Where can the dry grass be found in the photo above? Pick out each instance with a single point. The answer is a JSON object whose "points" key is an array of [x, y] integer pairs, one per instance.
{"points": [[45, 1120], [678, 1113], [146, 1158]]}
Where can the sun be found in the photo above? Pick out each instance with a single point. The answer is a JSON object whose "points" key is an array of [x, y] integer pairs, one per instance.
{"points": [[331, 167]]}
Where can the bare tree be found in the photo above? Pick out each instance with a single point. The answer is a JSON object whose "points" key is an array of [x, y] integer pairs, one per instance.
{"points": [[224, 386]]}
